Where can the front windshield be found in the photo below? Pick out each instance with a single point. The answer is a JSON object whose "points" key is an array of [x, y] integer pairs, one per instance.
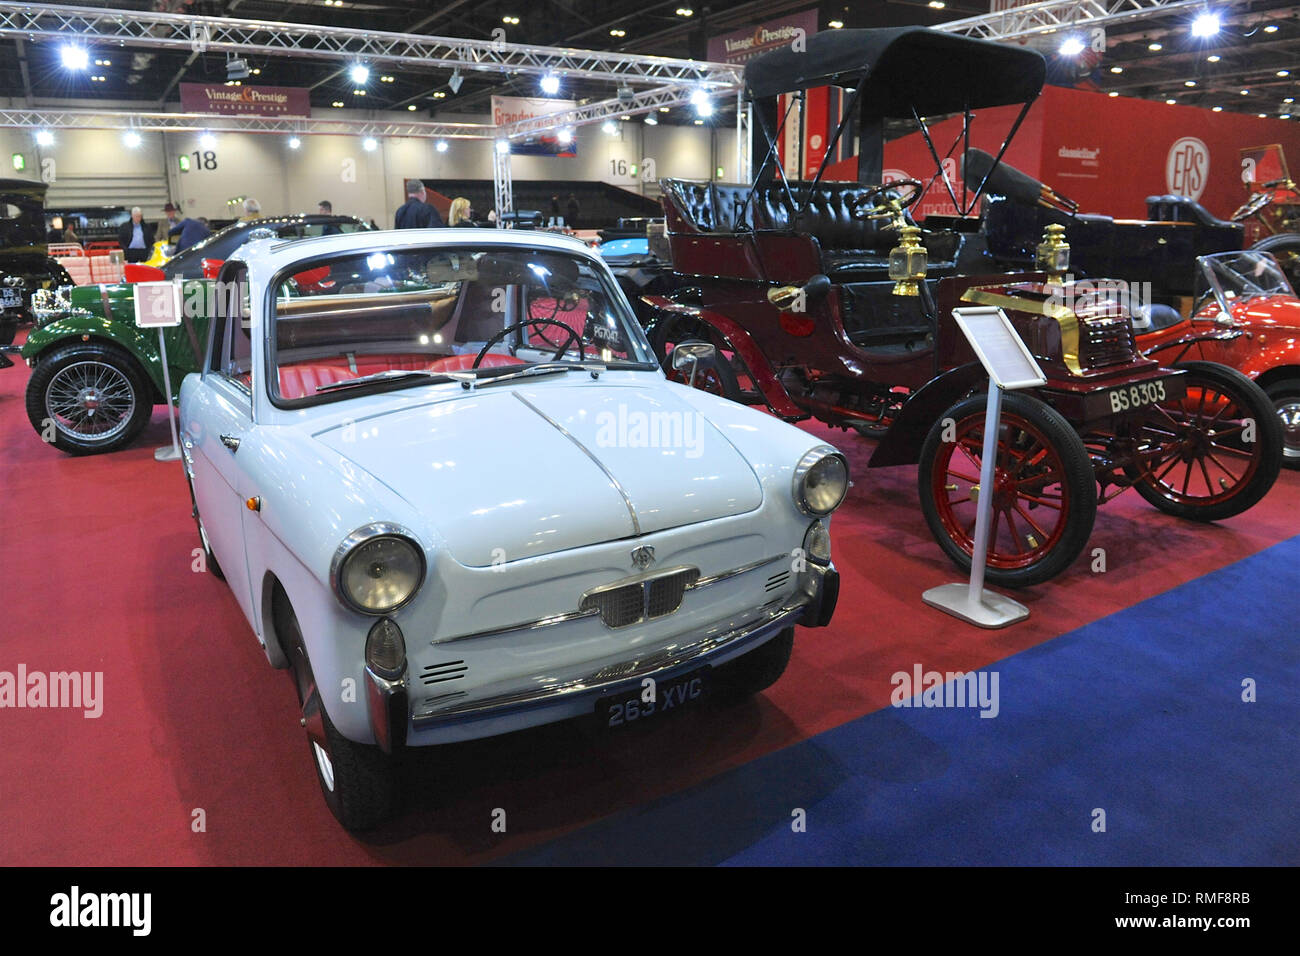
{"points": [[393, 319], [1230, 278]]}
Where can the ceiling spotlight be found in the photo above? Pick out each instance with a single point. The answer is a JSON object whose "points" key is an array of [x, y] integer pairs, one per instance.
{"points": [[1205, 25], [1263, 115], [455, 80], [1271, 28], [441, 146], [236, 69], [207, 141], [1283, 72], [1285, 116], [1189, 82], [74, 57], [1170, 102], [616, 32], [1217, 109], [440, 95], [503, 146], [337, 103], [369, 144], [411, 108], [1213, 58], [1071, 46], [1117, 69], [358, 92], [550, 84], [294, 142], [651, 121], [1113, 93], [836, 24], [663, 109], [1244, 92], [257, 71], [609, 127], [359, 73], [1155, 47], [564, 136], [625, 94], [699, 122], [132, 139], [387, 79], [513, 21], [44, 138], [685, 12], [1289, 99], [936, 4]]}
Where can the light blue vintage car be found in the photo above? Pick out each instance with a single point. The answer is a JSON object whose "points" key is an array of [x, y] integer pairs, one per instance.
{"points": [[452, 490]]}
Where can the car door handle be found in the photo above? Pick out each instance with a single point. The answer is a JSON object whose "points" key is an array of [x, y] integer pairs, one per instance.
{"points": [[231, 442]]}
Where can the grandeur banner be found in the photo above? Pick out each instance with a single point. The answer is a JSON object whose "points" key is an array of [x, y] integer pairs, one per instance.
{"points": [[245, 100], [513, 109]]}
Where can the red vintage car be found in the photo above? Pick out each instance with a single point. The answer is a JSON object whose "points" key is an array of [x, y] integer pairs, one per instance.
{"points": [[824, 299], [1245, 315]]}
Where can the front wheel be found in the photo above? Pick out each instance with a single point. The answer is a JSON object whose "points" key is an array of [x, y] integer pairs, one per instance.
{"points": [[358, 781], [88, 398], [1285, 396], [1044, 489], [1211, 454]]}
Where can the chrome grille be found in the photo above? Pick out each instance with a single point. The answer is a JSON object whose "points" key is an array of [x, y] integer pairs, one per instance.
{"points": [[641, 598], [1107, 341]]}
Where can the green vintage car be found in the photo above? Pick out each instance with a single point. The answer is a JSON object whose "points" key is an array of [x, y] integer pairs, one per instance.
{"points": [[96, 376]]}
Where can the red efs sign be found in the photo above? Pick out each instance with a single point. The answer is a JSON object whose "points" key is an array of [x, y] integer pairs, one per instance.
{"points": [[1187, 168]]}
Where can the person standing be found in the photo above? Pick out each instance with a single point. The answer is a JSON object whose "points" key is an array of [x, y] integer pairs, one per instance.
{"points": [[326, 208], [416, 213], [136, 237], [459, 214], [173, 217], [572, 211], [252, 209]]}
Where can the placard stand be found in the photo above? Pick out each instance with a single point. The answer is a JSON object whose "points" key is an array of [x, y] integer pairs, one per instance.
{"points": [[158, 305], [1010, 366], [174, 452]]}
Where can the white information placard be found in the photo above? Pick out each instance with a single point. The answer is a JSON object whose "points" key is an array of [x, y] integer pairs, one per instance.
{"points": [[157, 304], [1000, 350]]}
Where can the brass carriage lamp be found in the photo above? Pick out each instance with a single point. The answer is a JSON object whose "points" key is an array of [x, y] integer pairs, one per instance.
{"points": [[908, 261], [1053, 253]]}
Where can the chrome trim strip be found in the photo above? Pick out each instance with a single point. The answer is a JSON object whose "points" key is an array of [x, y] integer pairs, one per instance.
{"points": [[769, 616], [636, 524], [568, 616], [752, 566]]}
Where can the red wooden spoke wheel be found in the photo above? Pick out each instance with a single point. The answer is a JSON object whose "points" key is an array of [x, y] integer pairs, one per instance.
{"points": [[1211, 454], [1044, 490]]}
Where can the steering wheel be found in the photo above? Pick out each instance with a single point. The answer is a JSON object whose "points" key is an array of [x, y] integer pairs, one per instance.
{"points": [[890, 207], [1253, 205], [571, 336]]}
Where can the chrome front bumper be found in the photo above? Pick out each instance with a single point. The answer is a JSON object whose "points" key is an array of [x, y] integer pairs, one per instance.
{"points": [[547, 699]]}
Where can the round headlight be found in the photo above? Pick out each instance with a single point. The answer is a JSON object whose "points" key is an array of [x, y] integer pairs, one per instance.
{"points": [[377, 569], [821, 480]]}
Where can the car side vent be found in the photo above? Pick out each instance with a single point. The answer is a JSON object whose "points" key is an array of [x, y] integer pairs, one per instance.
{"points": [[776, 581], [439, 673]]}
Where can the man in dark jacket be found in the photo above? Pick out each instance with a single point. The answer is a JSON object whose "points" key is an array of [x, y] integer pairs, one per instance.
{"points": [[188, 232], [136, 237], [416, 213]]}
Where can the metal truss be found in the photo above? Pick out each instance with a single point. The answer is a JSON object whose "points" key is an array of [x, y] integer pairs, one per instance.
{"points": [[44, 118], [646, 101], [1054, 15], [131, 28]]}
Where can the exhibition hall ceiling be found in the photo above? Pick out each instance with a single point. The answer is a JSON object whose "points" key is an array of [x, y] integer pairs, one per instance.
{"points": [[1244, 67]]}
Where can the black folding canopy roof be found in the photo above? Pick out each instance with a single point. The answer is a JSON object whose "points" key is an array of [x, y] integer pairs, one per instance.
{"points": [[901, 69]]}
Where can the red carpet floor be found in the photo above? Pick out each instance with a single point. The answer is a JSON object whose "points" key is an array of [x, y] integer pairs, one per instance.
{"points": [[95, 563]]}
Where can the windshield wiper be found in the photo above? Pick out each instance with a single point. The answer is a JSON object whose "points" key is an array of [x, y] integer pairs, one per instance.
{"points": [[393, 375], [541, 368]]}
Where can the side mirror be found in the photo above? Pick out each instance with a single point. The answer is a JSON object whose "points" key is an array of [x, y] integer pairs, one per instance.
{"points": [[138, 272], [692, 354]]}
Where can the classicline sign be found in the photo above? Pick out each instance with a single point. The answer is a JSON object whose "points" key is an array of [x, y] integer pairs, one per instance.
{"points": [[245, 100]]}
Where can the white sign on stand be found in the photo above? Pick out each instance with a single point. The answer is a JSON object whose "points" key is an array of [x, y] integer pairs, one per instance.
{"points": [[1010, 366], [158, 305]]}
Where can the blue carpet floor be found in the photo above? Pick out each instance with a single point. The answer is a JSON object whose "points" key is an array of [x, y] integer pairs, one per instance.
{"points": [[1139, 715]]}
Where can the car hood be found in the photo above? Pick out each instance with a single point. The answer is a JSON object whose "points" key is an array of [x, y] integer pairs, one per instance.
{"points": [[506, 473]]}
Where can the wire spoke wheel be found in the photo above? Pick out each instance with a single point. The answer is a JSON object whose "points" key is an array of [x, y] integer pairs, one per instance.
{"points": [[1210, 454], [1044, 495], [88, 397]]}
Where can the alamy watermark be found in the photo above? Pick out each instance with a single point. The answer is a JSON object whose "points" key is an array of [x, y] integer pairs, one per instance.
{"points": [[67, 690], [922, 688], [1100, 297], [636, 428]]}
